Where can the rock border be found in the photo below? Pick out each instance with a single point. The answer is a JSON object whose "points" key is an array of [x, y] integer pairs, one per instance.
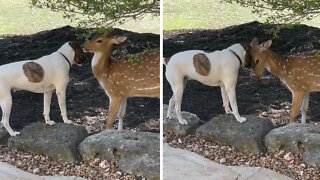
{"points": [[306, 154]]}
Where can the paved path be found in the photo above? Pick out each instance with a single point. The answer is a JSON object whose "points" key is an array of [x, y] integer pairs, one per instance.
{"points": [[9, 172], [183, 164]]}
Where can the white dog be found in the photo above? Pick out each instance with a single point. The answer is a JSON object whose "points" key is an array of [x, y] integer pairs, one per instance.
{"points": [[219, 68], [42, 75]]}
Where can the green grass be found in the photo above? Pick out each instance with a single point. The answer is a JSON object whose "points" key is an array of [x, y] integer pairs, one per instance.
{"points": [[17, 17], [190, 14]]}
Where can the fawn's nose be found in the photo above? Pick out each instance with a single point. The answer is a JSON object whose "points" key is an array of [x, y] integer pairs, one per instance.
{"points": [[84, 49], [259, 76]]}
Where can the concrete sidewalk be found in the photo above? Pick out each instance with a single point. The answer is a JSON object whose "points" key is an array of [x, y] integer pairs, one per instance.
{"points": [[9, 172], [183, 164]]}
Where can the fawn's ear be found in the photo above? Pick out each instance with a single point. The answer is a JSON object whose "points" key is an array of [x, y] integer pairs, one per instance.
{"points": [[267, 44], [107, 34], [254, 42], [119, 39]]}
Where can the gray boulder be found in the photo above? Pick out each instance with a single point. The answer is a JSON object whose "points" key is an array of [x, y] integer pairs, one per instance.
{"points": [[297, 138], [246, 137], [4, 135], [178, 129], [136, 152], [59, 142]]}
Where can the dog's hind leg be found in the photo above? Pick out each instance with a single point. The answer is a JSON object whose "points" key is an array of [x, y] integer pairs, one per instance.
{"points": [[6, 104], [225, 99], [171, 108], [231, 91], [178, 94], [121, 113], [61, 94], [46, 107]]}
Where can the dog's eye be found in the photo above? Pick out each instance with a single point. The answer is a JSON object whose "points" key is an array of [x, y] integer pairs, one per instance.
{"points": [[99, 41]]}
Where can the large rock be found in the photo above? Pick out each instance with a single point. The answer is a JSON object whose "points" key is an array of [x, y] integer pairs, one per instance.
{"points": [[136, 152], [4, 135], [60, 141], [297, 138], [246, 137], [178, 129]]}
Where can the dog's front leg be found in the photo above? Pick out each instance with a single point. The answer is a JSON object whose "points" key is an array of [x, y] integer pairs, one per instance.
{"points": [[46, 107], [231, 91], [225, 99], [61, 94]]}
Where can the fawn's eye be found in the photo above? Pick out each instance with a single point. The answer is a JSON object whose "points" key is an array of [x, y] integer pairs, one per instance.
{"points": [[257, 61], [99, 41]]}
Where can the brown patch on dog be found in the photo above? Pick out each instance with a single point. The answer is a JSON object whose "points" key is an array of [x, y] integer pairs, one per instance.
{"points": [[201, 64], [33, 71]]}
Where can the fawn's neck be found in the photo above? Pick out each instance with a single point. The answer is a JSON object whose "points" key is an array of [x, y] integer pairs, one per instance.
{"points": [[100, 63], [276, 64]]}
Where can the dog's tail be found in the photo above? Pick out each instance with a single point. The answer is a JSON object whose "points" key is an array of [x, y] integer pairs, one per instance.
{"points": [[166, 61]]}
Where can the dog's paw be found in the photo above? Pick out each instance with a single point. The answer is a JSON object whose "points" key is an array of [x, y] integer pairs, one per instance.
{"points": [[68, 122], [15, 134], [228, 111], [183, 122], [242, 119], [50, 122], [169, 117]]}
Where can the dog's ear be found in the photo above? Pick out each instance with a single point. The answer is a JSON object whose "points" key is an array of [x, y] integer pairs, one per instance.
{"points": [[246, 46], [74, 44]]}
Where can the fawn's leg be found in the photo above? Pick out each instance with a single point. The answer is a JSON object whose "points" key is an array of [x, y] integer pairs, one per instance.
{"points": [[113, 110], [304, 108], [122, 113], [297, 98]]}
